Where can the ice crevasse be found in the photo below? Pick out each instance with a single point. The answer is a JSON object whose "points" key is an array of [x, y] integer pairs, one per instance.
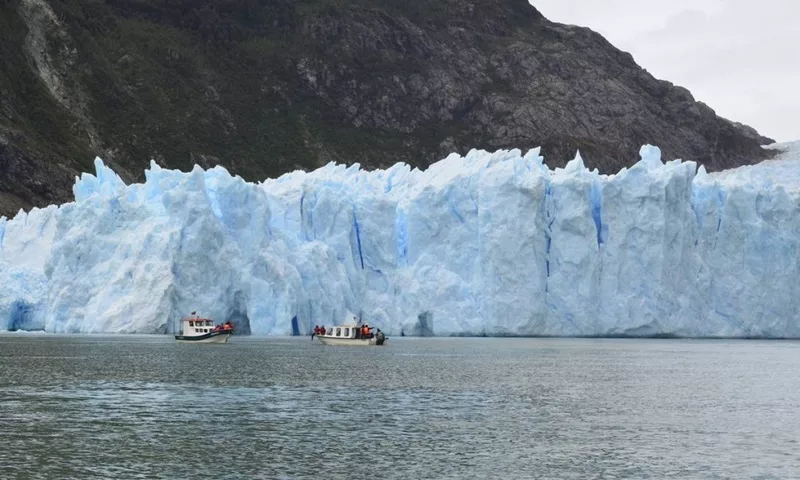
{"points": [[485, 244]]}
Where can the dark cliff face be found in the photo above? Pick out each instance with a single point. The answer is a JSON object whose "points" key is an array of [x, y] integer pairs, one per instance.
{"points": [[264, 89]]}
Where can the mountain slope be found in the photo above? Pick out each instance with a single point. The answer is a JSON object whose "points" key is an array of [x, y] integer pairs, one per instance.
{"points": [[297, 83]]}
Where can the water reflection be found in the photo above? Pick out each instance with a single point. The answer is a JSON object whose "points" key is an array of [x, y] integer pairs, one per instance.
{"points": [[145, 407]]}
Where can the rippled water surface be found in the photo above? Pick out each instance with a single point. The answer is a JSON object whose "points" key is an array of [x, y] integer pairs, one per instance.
{"points": [[146, 407]]}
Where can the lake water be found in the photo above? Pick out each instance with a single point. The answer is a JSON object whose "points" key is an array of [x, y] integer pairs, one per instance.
{"points": [[460, 408]]}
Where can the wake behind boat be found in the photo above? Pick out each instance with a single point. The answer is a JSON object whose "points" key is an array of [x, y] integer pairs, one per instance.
{"points": [[349, 334], [195, 329]]}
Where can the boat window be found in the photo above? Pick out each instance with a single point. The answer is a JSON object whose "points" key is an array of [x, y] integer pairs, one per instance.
{"points": [[346, 332], [338, 332], [208, 323], [191, 323]]}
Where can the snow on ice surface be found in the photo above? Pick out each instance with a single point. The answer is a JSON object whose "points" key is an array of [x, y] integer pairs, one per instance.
{"points": [[486, 244]]}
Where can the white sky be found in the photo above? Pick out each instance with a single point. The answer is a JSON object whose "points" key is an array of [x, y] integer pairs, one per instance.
{"points": [[741, 57]]}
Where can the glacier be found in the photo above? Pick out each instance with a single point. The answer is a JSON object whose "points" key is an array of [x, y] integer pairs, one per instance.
{"points": [[488, 244]]}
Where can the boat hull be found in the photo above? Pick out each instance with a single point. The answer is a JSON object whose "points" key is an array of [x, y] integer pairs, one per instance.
{"points": [[211, 337], [352, 342]]}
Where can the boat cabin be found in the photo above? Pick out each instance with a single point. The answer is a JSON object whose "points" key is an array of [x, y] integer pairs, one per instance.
{"points": [[197, 326], [342, 331]]}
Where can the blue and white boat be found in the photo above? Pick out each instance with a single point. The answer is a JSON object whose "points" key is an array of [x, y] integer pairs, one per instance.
{"points": [[351, 334], [195, 329]]}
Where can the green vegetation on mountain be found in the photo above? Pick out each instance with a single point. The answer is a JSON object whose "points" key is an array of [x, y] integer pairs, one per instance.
{"points": [[263, 88]]}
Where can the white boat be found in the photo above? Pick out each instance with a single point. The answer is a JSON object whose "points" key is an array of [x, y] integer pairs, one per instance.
{"points": [[195, 329], [350, 334]]}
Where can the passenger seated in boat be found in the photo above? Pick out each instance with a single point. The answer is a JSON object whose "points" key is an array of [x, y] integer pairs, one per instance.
{"points": [[218, 328], [227, 326], [322, 330]]}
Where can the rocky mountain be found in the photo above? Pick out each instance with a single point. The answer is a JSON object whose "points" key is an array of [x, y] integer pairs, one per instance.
{"points": [[267, 87]]}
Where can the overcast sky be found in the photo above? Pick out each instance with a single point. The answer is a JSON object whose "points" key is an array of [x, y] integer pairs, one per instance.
{"points": [[741, 57]]}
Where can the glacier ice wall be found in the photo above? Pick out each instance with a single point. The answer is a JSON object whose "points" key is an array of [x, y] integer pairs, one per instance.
{"points": [[486, 244]]}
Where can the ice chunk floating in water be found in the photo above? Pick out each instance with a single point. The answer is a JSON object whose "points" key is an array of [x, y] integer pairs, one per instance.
{"points": [[486, 244]]}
